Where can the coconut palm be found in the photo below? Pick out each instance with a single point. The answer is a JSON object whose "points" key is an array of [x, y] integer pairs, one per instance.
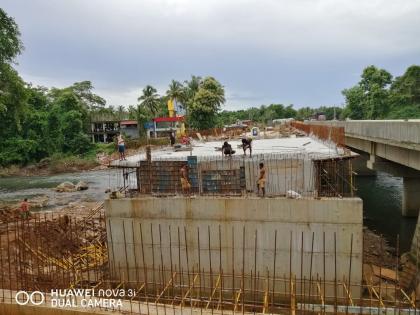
{"points": [[121, 113], [150, 99], [192, 86], [175, 91]]}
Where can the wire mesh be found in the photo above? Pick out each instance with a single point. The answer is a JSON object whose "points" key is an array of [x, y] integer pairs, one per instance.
{"points": [[177, 269], [296, 175]]}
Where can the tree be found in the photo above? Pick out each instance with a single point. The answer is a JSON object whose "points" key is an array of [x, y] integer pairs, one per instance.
{"points": [[369, 99], [13, 97], [190, 89], [10, 43], [150, 99], [176, 91], [206, 103], [84, 91], [355, 107], [405, 94], [121, 112]]}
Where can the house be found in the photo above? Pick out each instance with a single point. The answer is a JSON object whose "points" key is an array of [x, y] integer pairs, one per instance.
{"points": [[129, 128], [161, 126], [104, 129]]}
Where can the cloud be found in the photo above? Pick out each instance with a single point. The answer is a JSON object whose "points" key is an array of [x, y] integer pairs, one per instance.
{"points": [[290, 51]]}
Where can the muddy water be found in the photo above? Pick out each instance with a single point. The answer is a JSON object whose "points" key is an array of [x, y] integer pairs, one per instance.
{"points": [[17, 188]]}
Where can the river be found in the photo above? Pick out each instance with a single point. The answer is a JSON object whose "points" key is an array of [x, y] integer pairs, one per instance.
{"points": [[382, 195], [381, 198], [17, 188]]}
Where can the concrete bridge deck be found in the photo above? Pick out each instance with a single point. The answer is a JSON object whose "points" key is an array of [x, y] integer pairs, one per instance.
{"points": [[393, 146]]}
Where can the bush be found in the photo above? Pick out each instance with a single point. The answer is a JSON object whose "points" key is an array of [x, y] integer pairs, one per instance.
{"points": [[18, 151], [80, 144]]}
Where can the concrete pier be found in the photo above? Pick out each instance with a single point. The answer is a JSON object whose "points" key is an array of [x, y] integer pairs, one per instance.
{"points": [[273, 235], [411, 197]]}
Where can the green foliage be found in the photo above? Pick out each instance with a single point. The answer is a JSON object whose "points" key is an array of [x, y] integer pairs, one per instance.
{"points": [[355, 103], [40, 122], [149, 101], [176, 91], [18, 151], [378, 96], [10, 44], [206, 103], [13, 97], [262, 114]]}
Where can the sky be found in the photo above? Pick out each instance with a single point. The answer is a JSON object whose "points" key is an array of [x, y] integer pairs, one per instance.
{"points": [[301, 52]]}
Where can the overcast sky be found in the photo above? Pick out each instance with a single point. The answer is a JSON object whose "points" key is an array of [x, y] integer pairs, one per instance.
{"points": [[301, 52]]}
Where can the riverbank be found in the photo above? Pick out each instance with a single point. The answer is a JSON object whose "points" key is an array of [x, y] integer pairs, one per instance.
{"points": [[98, 159], [51, 166], [67, 164]]}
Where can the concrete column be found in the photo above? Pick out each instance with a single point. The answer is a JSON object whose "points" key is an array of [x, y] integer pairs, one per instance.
{"points": [[374, 162], [411, 197], [359, 166]]}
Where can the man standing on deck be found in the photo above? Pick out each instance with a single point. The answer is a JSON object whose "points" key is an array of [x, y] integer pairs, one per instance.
{"points": [[172, 137], [121, 147], [261, 180], [185, 184], [24, 208]]}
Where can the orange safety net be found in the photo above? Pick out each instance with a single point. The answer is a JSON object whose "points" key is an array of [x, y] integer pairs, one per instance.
{"points": [[327, 133]]}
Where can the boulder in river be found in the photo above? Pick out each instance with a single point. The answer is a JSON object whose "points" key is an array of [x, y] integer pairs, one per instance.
{"points": [[38, 202], [82, 185], [65, 187]]}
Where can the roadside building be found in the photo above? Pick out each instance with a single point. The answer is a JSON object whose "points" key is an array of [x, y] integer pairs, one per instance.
{"points": [[104, 130], [161, 126], [129, 128]]}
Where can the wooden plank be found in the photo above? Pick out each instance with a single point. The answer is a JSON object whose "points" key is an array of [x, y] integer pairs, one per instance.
{"points": [[384, 273]]}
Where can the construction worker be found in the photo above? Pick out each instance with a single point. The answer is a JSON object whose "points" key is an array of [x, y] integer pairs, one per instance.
{"points": [[227, 149], [172, 137], [121, 147], [24, 208], [261, 180], [185, 184], [246, 144]]}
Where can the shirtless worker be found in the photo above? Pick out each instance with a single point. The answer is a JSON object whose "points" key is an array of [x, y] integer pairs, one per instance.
{"points": [[121, 147], [261, 180], [185, 184], [227, 149], [24, 208], [246, 144]]}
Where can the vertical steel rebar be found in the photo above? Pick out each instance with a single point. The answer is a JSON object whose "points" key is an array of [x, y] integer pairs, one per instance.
{"points": [[349, 280], [310, 268], [144, 270], [274, 268]]}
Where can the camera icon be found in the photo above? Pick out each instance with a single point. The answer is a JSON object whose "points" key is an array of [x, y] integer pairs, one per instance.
{"points": [[35, 297]]}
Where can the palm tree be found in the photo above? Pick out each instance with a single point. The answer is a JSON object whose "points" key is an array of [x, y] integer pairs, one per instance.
{"points": [[150, 99], [192, 86], [175, 91], [190, 89], [121, 113]]}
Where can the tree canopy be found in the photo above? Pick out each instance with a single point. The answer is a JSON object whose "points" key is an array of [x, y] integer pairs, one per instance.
{"points": [[379, 96], [10, 43]]}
